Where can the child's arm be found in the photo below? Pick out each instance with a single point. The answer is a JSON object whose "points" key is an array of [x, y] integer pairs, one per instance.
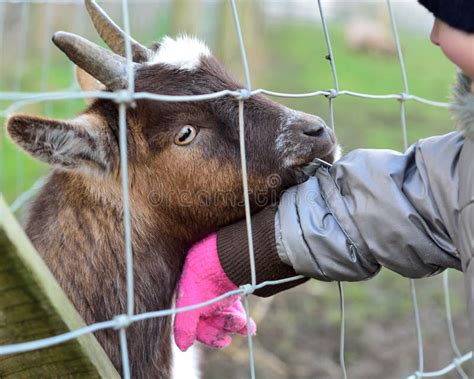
{"points": [[373, 208]]}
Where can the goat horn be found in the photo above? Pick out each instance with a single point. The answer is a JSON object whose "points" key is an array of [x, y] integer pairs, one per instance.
{"points": [[112, 35], [102, 64]]}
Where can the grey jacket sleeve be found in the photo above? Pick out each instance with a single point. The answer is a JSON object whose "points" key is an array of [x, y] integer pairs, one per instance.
{"points": [[465, 237], [375, 208]]}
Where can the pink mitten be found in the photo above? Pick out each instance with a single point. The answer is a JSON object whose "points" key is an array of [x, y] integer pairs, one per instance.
{"points": [[204, 279]]}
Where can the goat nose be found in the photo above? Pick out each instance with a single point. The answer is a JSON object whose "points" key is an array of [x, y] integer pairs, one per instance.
{"points": [[314, 130], [312, 126]]}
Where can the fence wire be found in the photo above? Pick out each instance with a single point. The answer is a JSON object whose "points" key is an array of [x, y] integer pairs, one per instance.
{"points": [[125, 98]]}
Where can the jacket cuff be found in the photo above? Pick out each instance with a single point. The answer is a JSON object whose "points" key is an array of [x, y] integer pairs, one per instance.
{"points": [[232, 249]]}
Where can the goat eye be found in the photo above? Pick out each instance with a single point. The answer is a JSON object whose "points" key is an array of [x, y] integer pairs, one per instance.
{"points": [[185, 135]]}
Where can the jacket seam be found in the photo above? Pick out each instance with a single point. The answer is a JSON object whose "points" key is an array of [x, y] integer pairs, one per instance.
{"points": [[357, 259], [313, 256], [346, 234], [467, 205], [279, 241]]}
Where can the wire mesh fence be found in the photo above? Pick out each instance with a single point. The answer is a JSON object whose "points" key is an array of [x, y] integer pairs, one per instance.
{"points": [[124, 98]]}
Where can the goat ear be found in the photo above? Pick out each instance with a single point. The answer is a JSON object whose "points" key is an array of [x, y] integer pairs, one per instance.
{"points": [[81, 144], [87, 82]]}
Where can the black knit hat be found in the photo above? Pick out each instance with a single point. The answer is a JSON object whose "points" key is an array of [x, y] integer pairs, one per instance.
{"points": [[457, 13]]}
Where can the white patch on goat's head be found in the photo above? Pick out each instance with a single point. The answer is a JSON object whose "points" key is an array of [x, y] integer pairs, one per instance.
{"points": [[282, 139], [285, 143], [183, 53]]}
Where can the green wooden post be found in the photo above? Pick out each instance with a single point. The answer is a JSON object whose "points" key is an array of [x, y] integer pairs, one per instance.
{"points": [[33, 306]]}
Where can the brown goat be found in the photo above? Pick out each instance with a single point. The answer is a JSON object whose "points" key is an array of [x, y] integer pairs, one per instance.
{"points": [[184, 175]]}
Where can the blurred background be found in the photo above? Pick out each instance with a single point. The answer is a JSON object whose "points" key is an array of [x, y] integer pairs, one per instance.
{"points": [[298, 331]]}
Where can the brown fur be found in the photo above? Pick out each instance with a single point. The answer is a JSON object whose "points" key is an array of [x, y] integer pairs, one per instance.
{"points": [[178, 194]]}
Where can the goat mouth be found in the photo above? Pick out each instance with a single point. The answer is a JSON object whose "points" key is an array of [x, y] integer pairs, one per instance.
{"points": [[327, 155], [308, 167]]}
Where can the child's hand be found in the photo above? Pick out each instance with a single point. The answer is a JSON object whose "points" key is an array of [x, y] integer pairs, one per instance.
{"points": [[204, 279]]}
